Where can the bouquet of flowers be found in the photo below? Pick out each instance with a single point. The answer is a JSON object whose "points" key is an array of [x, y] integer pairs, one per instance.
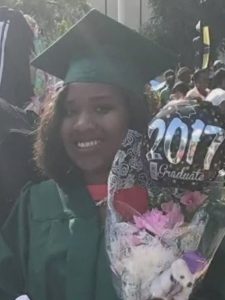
{"points": [[160, 240]]}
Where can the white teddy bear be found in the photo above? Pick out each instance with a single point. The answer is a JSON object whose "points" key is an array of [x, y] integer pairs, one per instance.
{"points": [[175, 283], [141, 266]]}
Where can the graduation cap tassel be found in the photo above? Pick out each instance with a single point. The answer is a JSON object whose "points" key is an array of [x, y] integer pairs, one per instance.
{"points": [[206, 46], [205, 35]]}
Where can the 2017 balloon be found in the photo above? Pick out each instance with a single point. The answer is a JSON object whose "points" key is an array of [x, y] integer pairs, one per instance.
{"points": [[185, 144]]}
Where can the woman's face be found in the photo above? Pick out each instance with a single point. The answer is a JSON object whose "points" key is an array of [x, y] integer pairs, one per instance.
{"points": [[95, 123]]}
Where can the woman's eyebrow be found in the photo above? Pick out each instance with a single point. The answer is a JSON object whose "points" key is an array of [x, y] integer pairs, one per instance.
{"points": [[101, 97], [94, 97], [69, 102]]}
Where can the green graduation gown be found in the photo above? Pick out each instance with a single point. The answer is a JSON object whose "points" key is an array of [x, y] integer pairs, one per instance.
{"points": [[52, 247]]}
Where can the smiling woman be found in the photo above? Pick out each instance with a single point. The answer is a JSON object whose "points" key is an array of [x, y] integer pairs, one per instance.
{"points": [[52, 246], [92, 119]]}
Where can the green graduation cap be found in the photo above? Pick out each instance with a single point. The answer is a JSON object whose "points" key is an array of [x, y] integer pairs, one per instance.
{"points": [[99, 49]]}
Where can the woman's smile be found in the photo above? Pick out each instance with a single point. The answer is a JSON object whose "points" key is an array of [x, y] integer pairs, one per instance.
{"points": [[88, 145]]}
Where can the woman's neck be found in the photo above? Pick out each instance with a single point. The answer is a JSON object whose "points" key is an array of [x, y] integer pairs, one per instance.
{"points": [[92, 178]]}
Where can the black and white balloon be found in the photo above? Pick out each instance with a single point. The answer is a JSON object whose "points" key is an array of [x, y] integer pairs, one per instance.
{"points": [[185, 144]]}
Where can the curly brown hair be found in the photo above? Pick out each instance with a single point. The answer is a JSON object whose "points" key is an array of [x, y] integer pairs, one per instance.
{"points": [[49, 152]]}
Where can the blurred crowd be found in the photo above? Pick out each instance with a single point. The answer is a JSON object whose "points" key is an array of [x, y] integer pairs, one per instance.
{"points": [[201, 84]]}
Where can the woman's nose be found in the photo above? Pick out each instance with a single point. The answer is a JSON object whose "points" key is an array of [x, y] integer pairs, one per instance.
{"points": [[84, 121]]}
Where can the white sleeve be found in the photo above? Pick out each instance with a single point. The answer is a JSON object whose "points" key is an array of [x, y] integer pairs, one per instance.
{"points": [[216, 97], [23, 297]]}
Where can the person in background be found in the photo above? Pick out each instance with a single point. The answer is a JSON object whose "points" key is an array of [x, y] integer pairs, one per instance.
{"points": [[152, 99], [217, 98], [169, 76], [201, 83], [217, 95], [218, 80], [52, 247], [179, 91], [184, 75], [16, 153], [16, 45], [218, 64]]}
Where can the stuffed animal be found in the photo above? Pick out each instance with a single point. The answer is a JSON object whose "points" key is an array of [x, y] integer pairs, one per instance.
{"points": [[175, 283]]}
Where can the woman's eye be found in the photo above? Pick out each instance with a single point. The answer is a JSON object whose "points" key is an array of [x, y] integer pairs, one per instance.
{"points": [[70, 112], [103, 109]]}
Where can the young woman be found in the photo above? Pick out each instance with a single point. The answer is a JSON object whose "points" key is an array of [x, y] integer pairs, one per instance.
{"points": [[52, 245]]}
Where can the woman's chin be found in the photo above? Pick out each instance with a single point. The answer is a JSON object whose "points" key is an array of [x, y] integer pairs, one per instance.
{"points": [[94, 172]]}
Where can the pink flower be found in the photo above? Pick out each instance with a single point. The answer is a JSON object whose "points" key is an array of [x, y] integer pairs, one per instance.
{"points": [[193, 200], [154, 221], [159, 222], [174, 213]]}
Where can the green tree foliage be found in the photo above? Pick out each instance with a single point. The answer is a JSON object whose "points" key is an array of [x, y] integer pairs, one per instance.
{"points": [[173, 23], [54, 17]]}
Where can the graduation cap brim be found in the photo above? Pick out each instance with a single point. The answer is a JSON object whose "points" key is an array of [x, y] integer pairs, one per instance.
{"points": [[90, 34]]}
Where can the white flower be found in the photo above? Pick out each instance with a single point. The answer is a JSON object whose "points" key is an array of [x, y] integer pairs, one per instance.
{"points": [[144, 263]]}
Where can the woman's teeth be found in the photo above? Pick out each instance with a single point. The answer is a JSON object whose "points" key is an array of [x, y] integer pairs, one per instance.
{"points": [[85, 145]]}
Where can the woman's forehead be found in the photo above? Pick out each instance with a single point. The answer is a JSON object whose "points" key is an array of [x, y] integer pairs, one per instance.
{"points": [[92, 91]]}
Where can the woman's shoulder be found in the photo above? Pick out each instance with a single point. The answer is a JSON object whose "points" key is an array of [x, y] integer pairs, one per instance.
{"points": [[43, 200], [45, 186], [40, 189]]}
